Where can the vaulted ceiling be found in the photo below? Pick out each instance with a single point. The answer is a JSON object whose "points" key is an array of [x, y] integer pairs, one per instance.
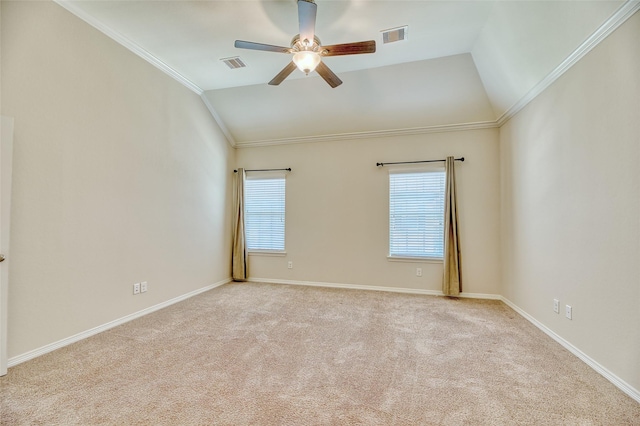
{"points": [[463, 64]]}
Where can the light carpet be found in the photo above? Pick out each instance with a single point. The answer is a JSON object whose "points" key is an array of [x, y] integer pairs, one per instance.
{"points": [[264, 354]]}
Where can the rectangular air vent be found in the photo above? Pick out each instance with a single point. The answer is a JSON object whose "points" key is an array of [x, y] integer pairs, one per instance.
{"points": [[394, 34], [234, 62]]}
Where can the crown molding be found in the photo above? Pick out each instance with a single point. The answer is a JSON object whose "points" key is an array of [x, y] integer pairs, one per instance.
{"points": [[216, 117], [623, 13], [133, 47], [371, 134], [124, 41]]}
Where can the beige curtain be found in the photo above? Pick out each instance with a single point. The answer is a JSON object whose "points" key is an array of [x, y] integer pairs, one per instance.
{"points": [[452, 282], [239, 257]]}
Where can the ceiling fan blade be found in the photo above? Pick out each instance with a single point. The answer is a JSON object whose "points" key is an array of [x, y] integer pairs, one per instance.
{"points": [[350, 48], [241, 44], [307, 19], [283, 74], [328, 75]]}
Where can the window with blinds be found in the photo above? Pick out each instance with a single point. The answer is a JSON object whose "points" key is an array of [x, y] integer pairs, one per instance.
{"points": [[264, 213], [416, 214]]}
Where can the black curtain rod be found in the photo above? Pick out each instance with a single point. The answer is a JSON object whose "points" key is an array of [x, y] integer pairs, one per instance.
{"points": [[414, 162], [266, 170]]}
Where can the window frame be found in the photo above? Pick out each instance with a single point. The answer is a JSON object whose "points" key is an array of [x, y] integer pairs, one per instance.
{"points": [[267, 176], [426, 168]]}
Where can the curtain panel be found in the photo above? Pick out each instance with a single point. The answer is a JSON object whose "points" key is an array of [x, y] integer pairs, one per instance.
{"points": [[452, 280], [239, 259]]}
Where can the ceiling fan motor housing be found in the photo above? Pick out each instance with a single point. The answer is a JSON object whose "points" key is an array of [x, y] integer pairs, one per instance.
{"points": [[307, 49], [298, 45]]}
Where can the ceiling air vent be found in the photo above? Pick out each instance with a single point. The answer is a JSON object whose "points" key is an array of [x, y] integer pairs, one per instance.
{"points": [[394, 34], [234, 62]]}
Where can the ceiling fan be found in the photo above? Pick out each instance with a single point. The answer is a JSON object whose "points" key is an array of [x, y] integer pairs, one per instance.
{"points": [[307, 50]]}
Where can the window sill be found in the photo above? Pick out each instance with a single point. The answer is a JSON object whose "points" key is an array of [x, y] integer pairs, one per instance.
{"points": [[267, 253], [414, 259]]}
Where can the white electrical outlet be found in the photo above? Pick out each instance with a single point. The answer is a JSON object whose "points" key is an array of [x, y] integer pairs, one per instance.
{"points": [[556, 307], [418, 272], [136, 288], [290, 264], [143, 286], [567, 311]]}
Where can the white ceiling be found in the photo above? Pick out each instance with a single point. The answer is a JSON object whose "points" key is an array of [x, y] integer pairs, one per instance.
{"points": [[464, 62]]}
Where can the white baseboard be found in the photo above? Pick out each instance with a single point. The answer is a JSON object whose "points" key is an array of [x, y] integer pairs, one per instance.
{"points": [[374, 288], [91, 332], [487, 296], [618, 382]]}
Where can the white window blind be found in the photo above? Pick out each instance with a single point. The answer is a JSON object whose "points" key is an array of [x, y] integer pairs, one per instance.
{"points": [[264, 209], [416, 214]]}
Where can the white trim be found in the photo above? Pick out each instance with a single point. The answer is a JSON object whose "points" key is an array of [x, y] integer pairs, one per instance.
{"points": [[615, 380], [6, 161], [618, 382], [411, 259], [272, 253], [149, 57], [484, 296], [91, 332], [214, 114], [623, 13], [133, 47], [347, 286], [371, 134], [373, 288]]}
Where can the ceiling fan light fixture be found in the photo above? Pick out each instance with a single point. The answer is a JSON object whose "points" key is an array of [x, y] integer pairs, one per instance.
{"points": [[307, 50], [306, 60]]}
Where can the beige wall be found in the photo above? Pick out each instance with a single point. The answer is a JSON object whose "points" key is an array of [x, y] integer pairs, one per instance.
{"points": [[120, 175], [337, 210], [570, 167]]}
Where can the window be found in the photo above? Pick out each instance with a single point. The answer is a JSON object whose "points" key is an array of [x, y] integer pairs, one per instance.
{"points": [[264, 213], [416, 214]]}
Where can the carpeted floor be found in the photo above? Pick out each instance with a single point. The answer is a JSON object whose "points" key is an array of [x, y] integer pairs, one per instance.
{"points": [[264, 354]]}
